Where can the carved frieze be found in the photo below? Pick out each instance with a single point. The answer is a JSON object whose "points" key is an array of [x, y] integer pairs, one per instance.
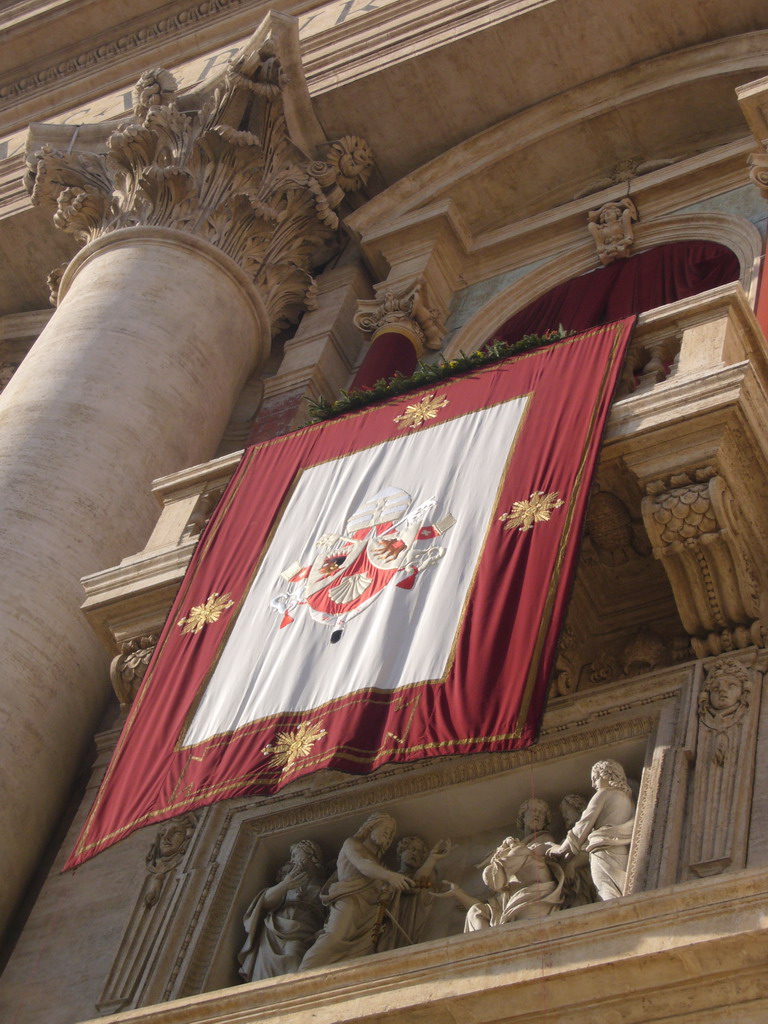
{"points": [[228, 172], [691, 521], [407, 310], [611, 228]]}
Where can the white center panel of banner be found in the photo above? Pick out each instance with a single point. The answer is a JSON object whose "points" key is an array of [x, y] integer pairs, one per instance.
{"points": [[366, 575]]}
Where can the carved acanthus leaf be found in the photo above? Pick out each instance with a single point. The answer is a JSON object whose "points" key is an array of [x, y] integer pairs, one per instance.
{"points": [[244, 187]]}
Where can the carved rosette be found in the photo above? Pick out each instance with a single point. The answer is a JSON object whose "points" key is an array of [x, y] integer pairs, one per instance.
{"points": [[244, 187], [405, 312], [691, 521], [128, 668]]}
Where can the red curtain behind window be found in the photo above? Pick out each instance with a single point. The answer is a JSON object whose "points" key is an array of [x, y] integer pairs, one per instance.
{"points": [[652, 279]]}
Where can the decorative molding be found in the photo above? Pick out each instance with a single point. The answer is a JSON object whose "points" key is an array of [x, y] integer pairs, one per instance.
{"points": [[408, 311], [611, 228], [230, 172], [106, 52]]}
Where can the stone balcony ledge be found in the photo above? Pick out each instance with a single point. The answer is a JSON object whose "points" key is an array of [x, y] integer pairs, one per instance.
{"points": [[686, 952], [692, 365]]}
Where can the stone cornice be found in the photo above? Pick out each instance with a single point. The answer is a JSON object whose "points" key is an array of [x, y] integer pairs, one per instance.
{"points": [[699, 944], [52, 82]]}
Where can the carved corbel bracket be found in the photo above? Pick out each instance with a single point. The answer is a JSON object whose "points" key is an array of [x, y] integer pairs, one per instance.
{"points": [[406, 311], [758, 172], [128, 667], [611, 229], [692, 523], [753, 100]]}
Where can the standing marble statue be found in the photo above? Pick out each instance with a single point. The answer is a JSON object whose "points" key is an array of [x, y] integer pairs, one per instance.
{"points": [[357, 897], [578, 889], [408, 910], [604, 830], [283, 920], [525, 885]]}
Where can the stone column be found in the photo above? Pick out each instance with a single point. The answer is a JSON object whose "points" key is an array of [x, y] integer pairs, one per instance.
{"points": [[134, 376], [199, 236]]}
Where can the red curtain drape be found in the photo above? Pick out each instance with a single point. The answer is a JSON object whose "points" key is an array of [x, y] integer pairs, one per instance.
{"points": [[651, 279]]}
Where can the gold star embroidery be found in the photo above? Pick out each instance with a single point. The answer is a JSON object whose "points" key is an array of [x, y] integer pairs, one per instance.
{"points": [[537, 509], [420, 412], [202, 614], [289, 747]]}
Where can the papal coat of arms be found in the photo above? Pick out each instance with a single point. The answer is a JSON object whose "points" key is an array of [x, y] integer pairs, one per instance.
{"points": [[380, 547]]}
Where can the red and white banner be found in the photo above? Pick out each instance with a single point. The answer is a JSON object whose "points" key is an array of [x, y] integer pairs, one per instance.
{"points": [[386, 586]]}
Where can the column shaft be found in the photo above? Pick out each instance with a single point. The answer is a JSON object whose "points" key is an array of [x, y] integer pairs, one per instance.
{"points": [[134, 377]]}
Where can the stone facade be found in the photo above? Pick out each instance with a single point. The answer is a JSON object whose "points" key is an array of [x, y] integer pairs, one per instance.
{"points": [[226, 203]]}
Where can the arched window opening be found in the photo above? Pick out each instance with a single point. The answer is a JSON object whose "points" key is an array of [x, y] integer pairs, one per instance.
{"points": [[646, 281]]}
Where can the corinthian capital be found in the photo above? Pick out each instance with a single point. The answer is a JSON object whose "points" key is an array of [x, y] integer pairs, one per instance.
{"points": [[223, 165]]}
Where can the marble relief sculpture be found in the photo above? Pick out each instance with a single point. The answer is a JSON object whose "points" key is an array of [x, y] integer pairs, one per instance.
{"points": [[299, 923], [578, 888], [604, 830], [611, 228], [524, 883], [282, 921], [354, 899], [408, 910]]}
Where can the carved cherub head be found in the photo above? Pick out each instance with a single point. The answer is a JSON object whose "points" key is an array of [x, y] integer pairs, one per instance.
{"points": [[534, 816], [571, 808], [412, 851], [170, 843], [611, 774], [726, 689]]}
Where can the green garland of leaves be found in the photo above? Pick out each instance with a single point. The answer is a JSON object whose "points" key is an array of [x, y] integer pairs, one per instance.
{"points": [[428, 373]]}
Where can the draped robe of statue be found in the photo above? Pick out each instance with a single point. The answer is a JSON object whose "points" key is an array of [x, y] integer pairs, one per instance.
{"points": [[353, 913], [604, 831], [525, 885], [278, 939]]}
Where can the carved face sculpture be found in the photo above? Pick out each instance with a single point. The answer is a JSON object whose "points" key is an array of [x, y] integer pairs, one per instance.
{"points": [[171, 839], [534, 816], [412, 851], [382, 833], [725, 692]]}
